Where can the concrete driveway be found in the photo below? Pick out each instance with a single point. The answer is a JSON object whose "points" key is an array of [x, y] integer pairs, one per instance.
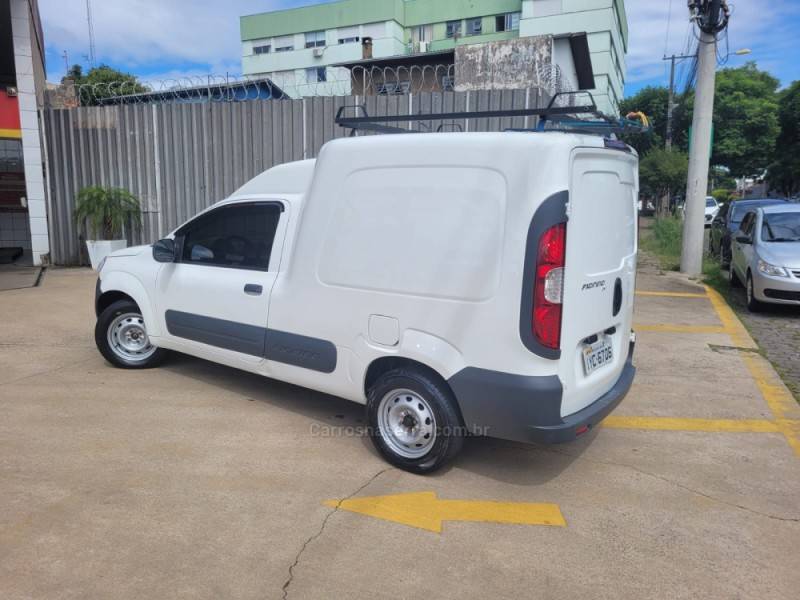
{"points": [[199, 481]]}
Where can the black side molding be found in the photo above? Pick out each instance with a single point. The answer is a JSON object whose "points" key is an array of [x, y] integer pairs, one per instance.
{"points": [[281, 346]]}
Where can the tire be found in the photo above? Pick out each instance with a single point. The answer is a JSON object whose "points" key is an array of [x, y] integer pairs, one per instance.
{"points": [[414, 420], [118, 335], [723, 260], [733, 278], [753, 304]]}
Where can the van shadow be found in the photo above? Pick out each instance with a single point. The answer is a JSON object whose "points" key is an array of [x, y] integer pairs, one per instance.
{"points": [[495, 459]]}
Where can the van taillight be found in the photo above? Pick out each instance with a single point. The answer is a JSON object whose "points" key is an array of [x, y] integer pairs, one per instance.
{"points": [[549, 286]]}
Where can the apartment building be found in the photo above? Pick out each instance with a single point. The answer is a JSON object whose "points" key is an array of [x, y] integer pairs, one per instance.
{"points": [[309, 50]]}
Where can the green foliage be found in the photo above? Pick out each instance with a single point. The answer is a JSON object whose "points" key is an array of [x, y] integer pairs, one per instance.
{"points": [[102, 82], [661, 171], [105, 211], [784, 173], [745, 120], [652, 101], [723, 195], [665, 241]]}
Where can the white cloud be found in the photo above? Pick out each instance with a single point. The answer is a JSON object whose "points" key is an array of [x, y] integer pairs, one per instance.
{"points": [[147, 36], [764, 27]]}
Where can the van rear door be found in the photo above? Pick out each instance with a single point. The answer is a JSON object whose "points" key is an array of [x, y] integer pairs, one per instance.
{"points": [[599, 273]]}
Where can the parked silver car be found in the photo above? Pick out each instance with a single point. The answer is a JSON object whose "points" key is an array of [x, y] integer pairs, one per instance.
{"points": [[765, 255]]}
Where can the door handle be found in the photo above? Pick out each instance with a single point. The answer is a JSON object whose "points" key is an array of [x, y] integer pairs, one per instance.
{"points": [[253, 289]]}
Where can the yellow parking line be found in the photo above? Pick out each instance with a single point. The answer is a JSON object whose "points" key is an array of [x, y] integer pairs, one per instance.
{"points": [[678, 424], [775, 394], [671, 328], [670, 294]]}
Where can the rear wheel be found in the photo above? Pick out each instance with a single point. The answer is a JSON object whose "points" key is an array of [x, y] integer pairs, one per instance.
{"points": [[121, 337], [753, 304], [414, 420]]}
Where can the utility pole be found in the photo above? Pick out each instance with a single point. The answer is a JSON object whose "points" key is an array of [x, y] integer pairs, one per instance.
{"points": [[90, 26], [671, 106], [711, 17]]}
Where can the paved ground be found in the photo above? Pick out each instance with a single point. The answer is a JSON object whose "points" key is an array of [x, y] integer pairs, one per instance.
{"points": [[777, 331], [198, 481], [14, 277]]}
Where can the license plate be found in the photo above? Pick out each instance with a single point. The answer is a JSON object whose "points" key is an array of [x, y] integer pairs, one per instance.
{"points": [[597, 355]]}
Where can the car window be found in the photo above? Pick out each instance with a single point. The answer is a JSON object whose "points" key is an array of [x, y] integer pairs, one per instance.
{"points": [[710, 203], [747, 223], [238, 236], [781, 227]]}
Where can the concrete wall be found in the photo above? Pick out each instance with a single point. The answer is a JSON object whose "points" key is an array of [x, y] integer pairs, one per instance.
{"points": [[522, 59]]}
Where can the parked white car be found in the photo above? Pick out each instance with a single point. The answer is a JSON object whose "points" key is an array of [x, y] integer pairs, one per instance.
{"points": [[711, 210], [453, 283], [765, 256]]}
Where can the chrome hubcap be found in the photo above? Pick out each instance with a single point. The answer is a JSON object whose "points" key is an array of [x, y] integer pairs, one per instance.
{"points": [[128, 339], [407, 423]]}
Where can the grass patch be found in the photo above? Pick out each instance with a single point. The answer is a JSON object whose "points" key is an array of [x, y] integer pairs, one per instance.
{"points": [[663, 240]]}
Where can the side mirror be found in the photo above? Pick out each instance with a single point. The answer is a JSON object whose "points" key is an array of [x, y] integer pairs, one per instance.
{"points": [[164, 251], [743, 239]]}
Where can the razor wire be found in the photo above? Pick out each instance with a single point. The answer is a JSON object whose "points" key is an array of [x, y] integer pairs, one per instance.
{"points": [[331, 81]]}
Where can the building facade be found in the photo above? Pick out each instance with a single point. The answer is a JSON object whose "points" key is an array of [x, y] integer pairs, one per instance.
{"points": [[302, 49], [23, 208]]}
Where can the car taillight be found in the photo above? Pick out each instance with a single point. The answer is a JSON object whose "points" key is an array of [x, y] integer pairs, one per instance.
{"points": [[549, 286]]}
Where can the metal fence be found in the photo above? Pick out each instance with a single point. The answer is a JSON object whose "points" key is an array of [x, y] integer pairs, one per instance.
{"points": [[179, 158]]}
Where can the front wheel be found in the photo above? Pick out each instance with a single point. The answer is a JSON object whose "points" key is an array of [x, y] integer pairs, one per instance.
{"points": [[414, 420], [753, 304], [121, 337]]}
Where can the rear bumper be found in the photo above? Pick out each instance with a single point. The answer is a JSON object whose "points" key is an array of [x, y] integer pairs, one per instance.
{"points": [[528, 409]]}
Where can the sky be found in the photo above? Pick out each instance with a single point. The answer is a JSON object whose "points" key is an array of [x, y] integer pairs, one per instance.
{"points": [[172, 39]]}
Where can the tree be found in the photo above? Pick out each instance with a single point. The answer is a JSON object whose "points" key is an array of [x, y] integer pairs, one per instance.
{"points": [[102, 82], [745, 120], [784, 174], [661, 171], [652, 101]]}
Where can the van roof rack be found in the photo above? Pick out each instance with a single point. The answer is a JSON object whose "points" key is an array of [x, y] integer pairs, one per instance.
{"points": [[551, 117]]}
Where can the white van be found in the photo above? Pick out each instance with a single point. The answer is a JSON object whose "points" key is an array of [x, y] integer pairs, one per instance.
{"points": [[454, 283]]}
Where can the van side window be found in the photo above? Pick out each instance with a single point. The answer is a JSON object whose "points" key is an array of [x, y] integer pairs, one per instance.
{"points": [[237, 237]]}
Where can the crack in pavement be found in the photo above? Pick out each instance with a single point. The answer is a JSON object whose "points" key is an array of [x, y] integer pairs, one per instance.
{"points": [[676, 484], [333, 511]]}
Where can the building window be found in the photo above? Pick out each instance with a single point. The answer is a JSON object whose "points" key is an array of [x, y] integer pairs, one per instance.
{"points": [[315, 39], [453, 29], [265, 49], [349, 40], [474, 26], [284, 48], [422, 33], [316, 75], [509, 22]]}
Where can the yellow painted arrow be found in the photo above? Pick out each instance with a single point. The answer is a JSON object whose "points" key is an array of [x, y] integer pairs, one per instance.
{"points": [[425, 511]]}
